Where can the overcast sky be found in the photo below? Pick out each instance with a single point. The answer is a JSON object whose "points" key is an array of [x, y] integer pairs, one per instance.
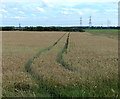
{"points": [[58, 12]]}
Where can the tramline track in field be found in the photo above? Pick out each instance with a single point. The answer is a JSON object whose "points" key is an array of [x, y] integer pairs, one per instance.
{"points": [[60, 59], [36, 77]]}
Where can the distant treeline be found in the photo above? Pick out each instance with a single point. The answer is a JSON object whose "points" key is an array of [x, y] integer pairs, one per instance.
{"points": [[100, 27], [40, 28]]}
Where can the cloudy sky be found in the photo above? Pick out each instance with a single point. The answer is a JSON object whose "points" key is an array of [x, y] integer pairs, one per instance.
{"points": [[58, 12]]}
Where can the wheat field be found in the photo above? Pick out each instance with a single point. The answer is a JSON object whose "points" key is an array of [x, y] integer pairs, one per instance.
{"points": [[59, 64]]}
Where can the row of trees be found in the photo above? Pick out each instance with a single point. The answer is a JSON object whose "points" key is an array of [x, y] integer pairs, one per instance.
{"points": [[7, 28], [39, 28]]}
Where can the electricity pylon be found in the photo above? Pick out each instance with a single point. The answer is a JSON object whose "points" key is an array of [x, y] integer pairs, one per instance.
{"points": [[90, 21], [80, 21]]}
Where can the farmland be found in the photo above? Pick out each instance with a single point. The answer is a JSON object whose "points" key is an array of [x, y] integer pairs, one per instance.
{"points": [[110, 33], [59, 64]]}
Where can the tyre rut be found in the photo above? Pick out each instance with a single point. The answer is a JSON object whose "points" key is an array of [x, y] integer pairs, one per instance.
{"points": [[36, 77], [60, 59]]}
